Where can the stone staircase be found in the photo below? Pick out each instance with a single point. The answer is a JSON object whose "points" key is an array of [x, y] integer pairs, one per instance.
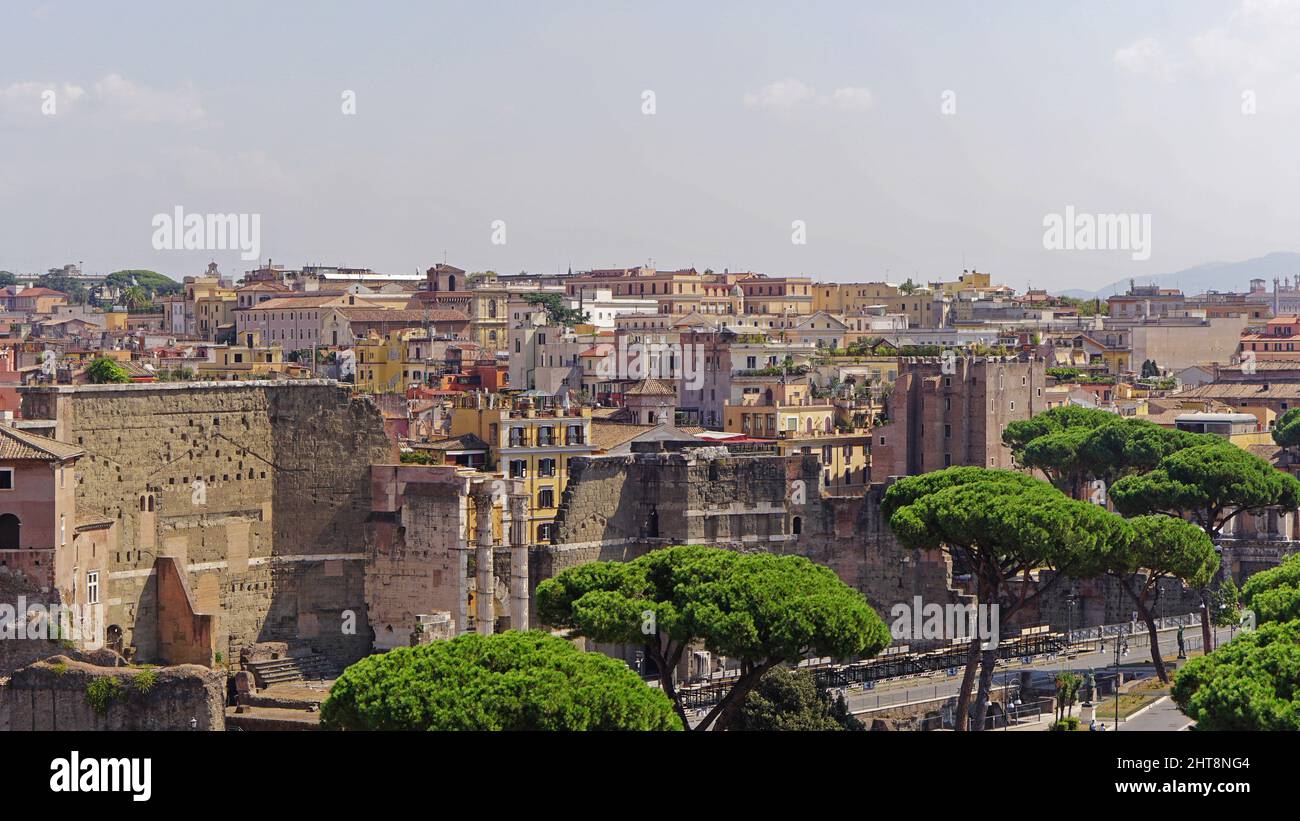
{"points": [[292, 668]]}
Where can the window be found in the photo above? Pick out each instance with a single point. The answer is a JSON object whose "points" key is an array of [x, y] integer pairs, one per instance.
{"points": [[63, 528], [518, 468], [546, 497], [546, 467], [92, 587], [6, 478]]}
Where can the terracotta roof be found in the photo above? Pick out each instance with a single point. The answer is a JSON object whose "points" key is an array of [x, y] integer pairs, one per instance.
{"points": [[19, 444], [359, 314], [285, 303], [651, 387], [467, 441], [1238, 392]]}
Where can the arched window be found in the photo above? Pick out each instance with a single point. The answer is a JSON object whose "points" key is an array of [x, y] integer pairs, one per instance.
{"points": [[9, 532], [797, 525]]}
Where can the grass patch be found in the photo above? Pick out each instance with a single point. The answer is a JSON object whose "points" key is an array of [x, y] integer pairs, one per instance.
{"points": [[102, 691]]}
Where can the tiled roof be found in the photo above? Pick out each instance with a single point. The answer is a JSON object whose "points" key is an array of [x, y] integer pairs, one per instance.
{"points": [[1238, 392], [19, 444], [650, 387], [357, 314]]}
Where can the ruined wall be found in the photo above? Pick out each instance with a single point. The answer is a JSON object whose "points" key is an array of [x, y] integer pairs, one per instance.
{"points": [[612, 506], [260, 490], [421, 557], [52, 695]]}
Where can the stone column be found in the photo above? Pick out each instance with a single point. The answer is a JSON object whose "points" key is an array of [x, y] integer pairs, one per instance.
{"points": [[461, 613], [519, 561], [485, 616]]}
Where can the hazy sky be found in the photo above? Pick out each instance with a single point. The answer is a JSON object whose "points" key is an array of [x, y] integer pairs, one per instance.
{"points": [[764, 113]]}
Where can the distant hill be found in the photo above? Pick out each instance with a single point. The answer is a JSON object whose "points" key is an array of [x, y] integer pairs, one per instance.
{"points": [[1217, 276]]}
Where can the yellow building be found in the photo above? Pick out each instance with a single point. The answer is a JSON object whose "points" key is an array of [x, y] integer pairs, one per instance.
{"points": [[251, 360], [214, 313], [390, 363], [533, 445]]}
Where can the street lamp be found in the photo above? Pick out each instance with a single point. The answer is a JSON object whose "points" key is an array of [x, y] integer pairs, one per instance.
{"points": [[1073, 599], [1121, 649]]}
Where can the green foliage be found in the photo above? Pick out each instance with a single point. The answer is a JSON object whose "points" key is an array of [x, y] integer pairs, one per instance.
{"points": [[1068, 724], [151, 282], [418, 457], [1226, 602], [7, 278], [1213, 483], [907, 287], [1250, 683], [1150, 369], [74, 289], [745, 606], [1003, 521], [1167, 546], [144, 681], [104, 370], [1274, 594], [102, 691], [60, 668], [507, 681], [1067, 692], [757, 608], [1286, 433], [787, 699], [1071, 445], [557, 313]]}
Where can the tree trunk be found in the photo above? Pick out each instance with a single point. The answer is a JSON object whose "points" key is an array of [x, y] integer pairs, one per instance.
{"points": [[988, 661], [1207, 637], [667, 680], [1145, 613], [967, 682], [721, 715]]}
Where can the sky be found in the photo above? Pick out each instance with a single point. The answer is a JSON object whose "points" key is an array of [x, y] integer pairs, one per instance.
{"points": [[895, 140]]}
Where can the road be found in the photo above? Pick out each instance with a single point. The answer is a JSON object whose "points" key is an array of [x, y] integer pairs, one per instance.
{"points": [[939, 685]]}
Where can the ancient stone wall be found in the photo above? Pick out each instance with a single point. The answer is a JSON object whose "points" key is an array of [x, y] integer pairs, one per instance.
{"points": [[618, 508], [260, 490], [60, 694]]}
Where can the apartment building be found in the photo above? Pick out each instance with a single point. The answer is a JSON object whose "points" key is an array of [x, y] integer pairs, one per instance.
{"points": [[531, 442]]}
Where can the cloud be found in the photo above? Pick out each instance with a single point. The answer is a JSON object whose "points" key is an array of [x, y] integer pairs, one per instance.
{"points": [[780, 96], [790, 94], [113, 98], [1255, 43], [136, 103], [851, 99], [1146, 57]]}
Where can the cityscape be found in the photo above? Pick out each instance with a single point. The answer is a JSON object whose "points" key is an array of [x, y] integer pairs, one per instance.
{"points": [[374, 398]]}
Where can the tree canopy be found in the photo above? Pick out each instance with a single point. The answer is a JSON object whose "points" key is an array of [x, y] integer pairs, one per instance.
{"points": [[1072, 445], [1286, 432], [1274, 594], [557, 312], [1211, 483], [1163, 547], [787, 699], [1250, 683], [507, 681], [1001, 524], [758, 609], [104, 370], [153, 283]]}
